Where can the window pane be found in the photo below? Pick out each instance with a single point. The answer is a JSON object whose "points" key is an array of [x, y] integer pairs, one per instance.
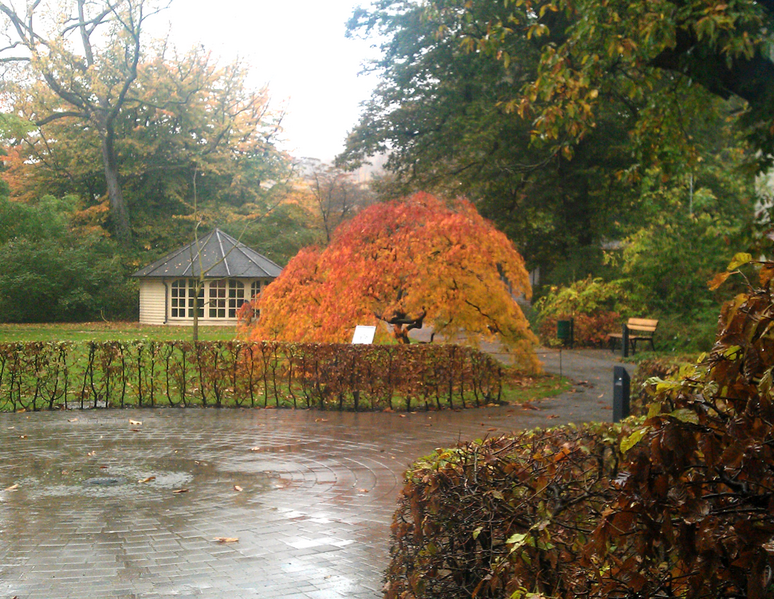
{"points": [[217, 299], [200, 303], [236, 297], [177, 298]]}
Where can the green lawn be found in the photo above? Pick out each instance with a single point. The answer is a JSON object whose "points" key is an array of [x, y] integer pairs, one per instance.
{"points": [[516, 389], [530, 388], [108, 331]]}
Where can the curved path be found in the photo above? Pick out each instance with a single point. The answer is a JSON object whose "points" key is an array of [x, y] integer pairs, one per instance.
{"points": [[90, 502]]}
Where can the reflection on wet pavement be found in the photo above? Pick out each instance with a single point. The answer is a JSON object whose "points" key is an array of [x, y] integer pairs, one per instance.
{"points": [[130, 503]]}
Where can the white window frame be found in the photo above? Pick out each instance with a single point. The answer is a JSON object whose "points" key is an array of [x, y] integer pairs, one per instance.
{"points": [[236, 297], [219, 299]]}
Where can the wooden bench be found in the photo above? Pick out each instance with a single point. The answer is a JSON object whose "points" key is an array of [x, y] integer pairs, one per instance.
{"points": [[637, 329]]}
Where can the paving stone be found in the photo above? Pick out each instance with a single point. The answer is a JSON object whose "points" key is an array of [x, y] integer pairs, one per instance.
{"points": [[312, 519]]}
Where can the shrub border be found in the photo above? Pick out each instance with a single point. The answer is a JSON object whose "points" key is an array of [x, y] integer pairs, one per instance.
{"points": [[113, 374]]}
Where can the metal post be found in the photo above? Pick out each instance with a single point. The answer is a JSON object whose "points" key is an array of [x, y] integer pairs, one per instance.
{"points": [[625, 341], [620, 393], [560, 360]]}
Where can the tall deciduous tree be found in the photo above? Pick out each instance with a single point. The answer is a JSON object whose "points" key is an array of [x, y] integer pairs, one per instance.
{"points": [[328, 195], [187, 119], [336, 197], [87, 53], [404, 263], [464, 107], [642, 52], [440, 113]]}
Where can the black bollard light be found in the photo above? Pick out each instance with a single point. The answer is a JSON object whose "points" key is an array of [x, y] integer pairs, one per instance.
{"points": [[620, 393]]}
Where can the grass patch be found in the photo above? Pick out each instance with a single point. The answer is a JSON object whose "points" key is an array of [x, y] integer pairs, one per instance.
{"points": [[109, 331], [522, 388], [517, 387]]}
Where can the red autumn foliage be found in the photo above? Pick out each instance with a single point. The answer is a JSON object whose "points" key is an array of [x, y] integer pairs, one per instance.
{"points": [[405, 264]]}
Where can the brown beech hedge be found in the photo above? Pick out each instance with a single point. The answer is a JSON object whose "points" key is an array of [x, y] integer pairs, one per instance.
{"points": [[503, 517], [36, 376], [677, 503]]}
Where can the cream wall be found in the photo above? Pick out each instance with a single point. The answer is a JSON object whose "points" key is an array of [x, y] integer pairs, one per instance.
{"points": [[154, 306], [153, 299]]}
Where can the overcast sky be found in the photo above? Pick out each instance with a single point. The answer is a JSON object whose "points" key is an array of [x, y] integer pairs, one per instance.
{"points": [[298, 48]]}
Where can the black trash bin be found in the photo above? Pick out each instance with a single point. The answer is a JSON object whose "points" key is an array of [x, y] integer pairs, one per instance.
{"points": [[565, 331]]}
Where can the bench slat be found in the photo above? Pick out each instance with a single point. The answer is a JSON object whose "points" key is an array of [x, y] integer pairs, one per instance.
{"points": [[642, 322], [645, 325], [639, 329]]}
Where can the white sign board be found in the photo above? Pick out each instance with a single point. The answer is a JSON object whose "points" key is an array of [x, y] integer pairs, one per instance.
{"points": [[364, 334]]}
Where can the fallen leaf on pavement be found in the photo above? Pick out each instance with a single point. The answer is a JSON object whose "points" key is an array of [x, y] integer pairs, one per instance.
{"points": [[147, 480], [11, 488], [178, 491], [237, 488], [226, 540]]}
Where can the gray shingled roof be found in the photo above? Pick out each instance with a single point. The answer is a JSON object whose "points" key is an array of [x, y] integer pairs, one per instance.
{"points": [[222, 257]]}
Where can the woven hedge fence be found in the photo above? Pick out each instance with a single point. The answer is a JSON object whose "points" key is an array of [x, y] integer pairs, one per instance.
{"points": [[37, 375]]}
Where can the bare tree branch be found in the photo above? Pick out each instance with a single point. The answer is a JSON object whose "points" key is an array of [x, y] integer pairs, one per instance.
{"points": [[60, 115]]}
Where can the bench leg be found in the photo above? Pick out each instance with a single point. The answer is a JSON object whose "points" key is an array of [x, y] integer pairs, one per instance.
{"points": [[625, 341]]}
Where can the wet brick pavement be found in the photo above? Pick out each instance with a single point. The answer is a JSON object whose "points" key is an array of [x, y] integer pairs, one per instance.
{"points": [[312, 518]]}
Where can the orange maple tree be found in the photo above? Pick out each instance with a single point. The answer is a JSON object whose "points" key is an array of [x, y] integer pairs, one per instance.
{"points": [[407, 263]]}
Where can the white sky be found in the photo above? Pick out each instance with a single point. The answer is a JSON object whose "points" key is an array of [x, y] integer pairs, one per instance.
{"points": [[298, 48]]}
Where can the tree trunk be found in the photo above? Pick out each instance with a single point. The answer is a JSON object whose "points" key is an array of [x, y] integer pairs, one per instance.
{"points": [[400, 334], [197, 289], [118, 212]]}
